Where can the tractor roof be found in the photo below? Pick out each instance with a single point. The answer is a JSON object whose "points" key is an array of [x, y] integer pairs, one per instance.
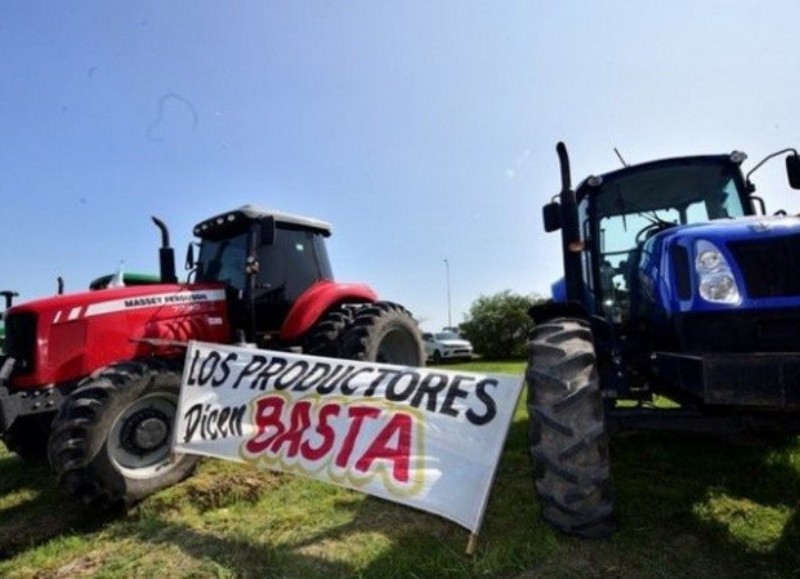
{"points": [[648, 186], [253, 213]]}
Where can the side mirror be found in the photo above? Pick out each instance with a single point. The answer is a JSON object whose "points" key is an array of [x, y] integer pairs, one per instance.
{"points": [[552, 216], [793, 171], [267, 225]]}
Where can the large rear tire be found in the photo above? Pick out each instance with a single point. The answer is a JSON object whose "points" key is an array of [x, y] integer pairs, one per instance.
{"points": [[325, 338], [568, 439], [112, 438], [384, 332]]}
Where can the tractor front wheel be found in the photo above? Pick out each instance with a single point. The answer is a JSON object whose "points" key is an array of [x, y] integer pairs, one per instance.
{"points": [[384, 332], [112, 438], [568, 439]]}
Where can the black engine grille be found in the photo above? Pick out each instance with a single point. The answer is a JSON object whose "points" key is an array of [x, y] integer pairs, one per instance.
{"points": [[21, 341], [770, 266], [743, 331]]}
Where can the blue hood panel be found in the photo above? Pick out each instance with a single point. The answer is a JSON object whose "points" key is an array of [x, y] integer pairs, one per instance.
{"points": [[722, 230], [658, 274]]}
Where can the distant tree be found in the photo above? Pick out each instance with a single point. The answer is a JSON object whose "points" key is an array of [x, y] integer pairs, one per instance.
{"points": [[498, 325]]}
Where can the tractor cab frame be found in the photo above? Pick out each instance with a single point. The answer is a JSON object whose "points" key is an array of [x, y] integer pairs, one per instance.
{"points": [[267, 261]]}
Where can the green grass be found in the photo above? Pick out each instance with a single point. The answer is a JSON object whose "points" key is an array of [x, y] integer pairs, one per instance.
{"points": [[688, 507]]}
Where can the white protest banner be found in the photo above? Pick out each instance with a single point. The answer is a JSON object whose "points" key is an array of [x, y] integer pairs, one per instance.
{"points": [[423, 437]]}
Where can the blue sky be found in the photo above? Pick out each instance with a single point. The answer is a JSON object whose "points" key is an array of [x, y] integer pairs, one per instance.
{"points": [[422, 131]]}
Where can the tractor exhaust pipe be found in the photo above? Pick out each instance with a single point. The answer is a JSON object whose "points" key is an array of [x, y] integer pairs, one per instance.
{"points": [[563, 163], [9, 297], [166, 255], [570, 231]]}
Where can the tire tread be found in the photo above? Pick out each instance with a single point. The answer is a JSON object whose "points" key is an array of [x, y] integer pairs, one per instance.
{"points": [[568, 439]]}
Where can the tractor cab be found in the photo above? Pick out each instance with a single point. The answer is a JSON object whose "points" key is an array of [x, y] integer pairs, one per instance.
{"points": [[266, 260], [620, 212]]}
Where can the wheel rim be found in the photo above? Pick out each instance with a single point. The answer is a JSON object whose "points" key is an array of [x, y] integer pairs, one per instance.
{"points": [[399, 347], [140, 440]]}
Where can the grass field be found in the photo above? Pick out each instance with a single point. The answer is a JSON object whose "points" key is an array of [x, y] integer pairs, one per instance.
{"points": [[688, 507]]}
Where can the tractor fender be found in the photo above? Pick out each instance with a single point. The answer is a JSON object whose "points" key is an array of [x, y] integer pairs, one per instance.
{"points": [[316, 300], [549, 310]]}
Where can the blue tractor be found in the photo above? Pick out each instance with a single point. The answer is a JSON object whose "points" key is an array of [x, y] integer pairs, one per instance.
{"points": [[679, 309]]}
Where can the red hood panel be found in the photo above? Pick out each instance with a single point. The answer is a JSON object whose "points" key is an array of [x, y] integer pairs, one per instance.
{"points": [[77, 334]]}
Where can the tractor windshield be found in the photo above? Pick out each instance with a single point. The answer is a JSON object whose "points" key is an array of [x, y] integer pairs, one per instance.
{"points": [[628, 202], [623, 209], [224, 260]]}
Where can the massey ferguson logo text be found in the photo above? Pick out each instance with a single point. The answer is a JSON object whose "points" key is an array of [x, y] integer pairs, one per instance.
{"points": [[165, 300], [70, 314]]}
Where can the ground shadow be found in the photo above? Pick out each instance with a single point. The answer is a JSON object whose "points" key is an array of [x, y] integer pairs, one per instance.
{"points": [[664, 483], [714, 489], [242, 557], [34, 510]]}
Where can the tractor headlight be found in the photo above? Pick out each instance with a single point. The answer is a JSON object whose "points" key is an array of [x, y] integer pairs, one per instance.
{"points": [[719, 288], [709, 261], [716, 281]]}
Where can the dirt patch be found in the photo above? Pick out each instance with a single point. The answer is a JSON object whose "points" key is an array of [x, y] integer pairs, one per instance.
{"points": [[81, 567], [206, 492]]}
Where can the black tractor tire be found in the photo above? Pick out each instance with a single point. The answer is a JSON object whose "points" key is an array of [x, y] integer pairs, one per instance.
{"points": [[28, 435], [568, 437], [384, 332], [111, 439], [325, 338]]}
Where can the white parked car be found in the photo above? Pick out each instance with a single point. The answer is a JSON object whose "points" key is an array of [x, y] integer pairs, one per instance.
{"points": [[446, 346]]}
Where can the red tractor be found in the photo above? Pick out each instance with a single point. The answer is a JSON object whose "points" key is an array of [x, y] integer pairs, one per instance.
{"points": [[91, 380]]}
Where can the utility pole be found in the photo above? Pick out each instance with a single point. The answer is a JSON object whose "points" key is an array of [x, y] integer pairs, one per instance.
{"points": [[447, 272]]}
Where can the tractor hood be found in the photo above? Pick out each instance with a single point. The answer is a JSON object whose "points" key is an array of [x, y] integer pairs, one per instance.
{"points": [[758, 255], [725, 230], [65, 337], [79, 305]]}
